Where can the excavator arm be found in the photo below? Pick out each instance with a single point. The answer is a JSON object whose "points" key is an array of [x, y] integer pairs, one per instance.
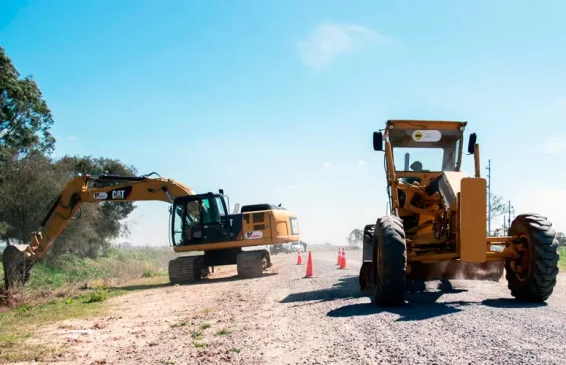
{"points": [[19, 259]]}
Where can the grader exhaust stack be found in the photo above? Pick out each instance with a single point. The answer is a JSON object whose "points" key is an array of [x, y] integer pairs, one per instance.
{"points": [[437, 224]]}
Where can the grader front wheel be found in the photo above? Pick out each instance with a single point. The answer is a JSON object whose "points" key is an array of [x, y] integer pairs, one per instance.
{"points": [[390, 261], [532, 276], [366, 277]]}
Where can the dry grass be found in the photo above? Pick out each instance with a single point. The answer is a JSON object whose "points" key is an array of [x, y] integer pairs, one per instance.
{"points": [[68, 287], [17, 324]]}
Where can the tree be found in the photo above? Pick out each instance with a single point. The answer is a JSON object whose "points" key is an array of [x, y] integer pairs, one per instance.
{"points": [[25, 118], [31, 185], [355, 237], [561, 237], [110, 223], [498, 206]]}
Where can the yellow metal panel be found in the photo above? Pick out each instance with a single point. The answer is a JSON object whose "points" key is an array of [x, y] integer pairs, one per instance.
{"points": [[473, 217], [427, 124], [235, 244]]}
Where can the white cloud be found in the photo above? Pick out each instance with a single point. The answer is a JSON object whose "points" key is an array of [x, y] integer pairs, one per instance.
{"points": [[555, 145], [329, 40], [361, 162], [327, 164], [292, 186], [72, 138]]}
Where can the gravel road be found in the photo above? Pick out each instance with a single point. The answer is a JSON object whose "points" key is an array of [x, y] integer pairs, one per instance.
{"points": [[283, 318]]}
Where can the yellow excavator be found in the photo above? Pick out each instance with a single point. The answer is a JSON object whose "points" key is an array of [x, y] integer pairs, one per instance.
{"points": [[198, 222]]}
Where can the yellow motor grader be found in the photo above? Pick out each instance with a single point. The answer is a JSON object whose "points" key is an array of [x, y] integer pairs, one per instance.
{"points": [[437, 224], [199, 222]]}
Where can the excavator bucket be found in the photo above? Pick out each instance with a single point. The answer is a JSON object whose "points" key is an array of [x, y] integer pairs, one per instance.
{"points": [[16, 266]]}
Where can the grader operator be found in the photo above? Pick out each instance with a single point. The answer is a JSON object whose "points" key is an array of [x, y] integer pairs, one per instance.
{"points": [[198, 222], [437, 226]]}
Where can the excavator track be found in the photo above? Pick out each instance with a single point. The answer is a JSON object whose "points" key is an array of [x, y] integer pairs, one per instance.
{"points": [[186, 269], [251, 264]]}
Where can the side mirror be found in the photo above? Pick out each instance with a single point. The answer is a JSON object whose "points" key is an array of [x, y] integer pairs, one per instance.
{"points": [[377, 141], [472, 143], [221, 191]]}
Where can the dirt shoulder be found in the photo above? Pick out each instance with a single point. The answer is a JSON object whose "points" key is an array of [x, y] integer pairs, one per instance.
{"points": [[284, 318]]}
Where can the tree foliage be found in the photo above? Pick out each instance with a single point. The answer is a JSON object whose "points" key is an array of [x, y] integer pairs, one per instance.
{"points": [[498, 206], [31, 181], [25, 118], [355, 237], [32, 184]]}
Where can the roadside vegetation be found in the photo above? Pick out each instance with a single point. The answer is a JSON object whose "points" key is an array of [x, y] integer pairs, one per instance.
{"points": [[66, 287], [562, 262]]}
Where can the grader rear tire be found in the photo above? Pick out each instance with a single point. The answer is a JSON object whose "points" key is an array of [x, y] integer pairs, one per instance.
{"points": [[390, 261], [538, 248]]}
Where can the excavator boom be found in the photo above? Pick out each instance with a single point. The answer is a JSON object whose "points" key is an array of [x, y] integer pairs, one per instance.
{"points": [[18, 259]]}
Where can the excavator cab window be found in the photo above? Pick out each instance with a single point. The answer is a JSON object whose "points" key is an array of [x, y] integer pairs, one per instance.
{"points": [[199, 219]]}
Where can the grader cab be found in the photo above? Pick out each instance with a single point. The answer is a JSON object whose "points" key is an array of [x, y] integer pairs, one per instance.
{"points": [[437, 224]]}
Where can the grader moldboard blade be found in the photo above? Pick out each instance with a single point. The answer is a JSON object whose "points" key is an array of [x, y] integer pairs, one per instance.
{"points": [[16, 266]]}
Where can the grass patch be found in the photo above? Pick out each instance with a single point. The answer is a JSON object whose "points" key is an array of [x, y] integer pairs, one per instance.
{"points": [[205, 326], [70, 288], [67, 287], [200, 344], [197, 335], [179, 324], [223, 332], [16, 326], [562, 262]]}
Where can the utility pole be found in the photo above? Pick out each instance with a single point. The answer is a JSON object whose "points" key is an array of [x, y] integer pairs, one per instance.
{"points": [[509, 216], [489, 197]]}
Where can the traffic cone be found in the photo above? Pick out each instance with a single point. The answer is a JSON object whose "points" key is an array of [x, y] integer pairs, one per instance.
{"points": [[339, 257], [299, 257], [343, 261], [310, 272]]}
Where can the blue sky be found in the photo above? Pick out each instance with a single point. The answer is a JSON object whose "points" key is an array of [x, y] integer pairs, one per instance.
{"points": [[277, 101]]}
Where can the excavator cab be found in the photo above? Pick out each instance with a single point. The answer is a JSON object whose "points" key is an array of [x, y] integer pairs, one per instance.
{"points": [[200, 219]]}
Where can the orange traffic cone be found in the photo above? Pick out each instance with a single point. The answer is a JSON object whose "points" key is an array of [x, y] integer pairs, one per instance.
{"points": [[310, 272], [299, 258], [339, 256], [343, 261]]}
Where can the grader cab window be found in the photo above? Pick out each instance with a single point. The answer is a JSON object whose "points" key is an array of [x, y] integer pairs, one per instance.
{"points": [[427, 150]]}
